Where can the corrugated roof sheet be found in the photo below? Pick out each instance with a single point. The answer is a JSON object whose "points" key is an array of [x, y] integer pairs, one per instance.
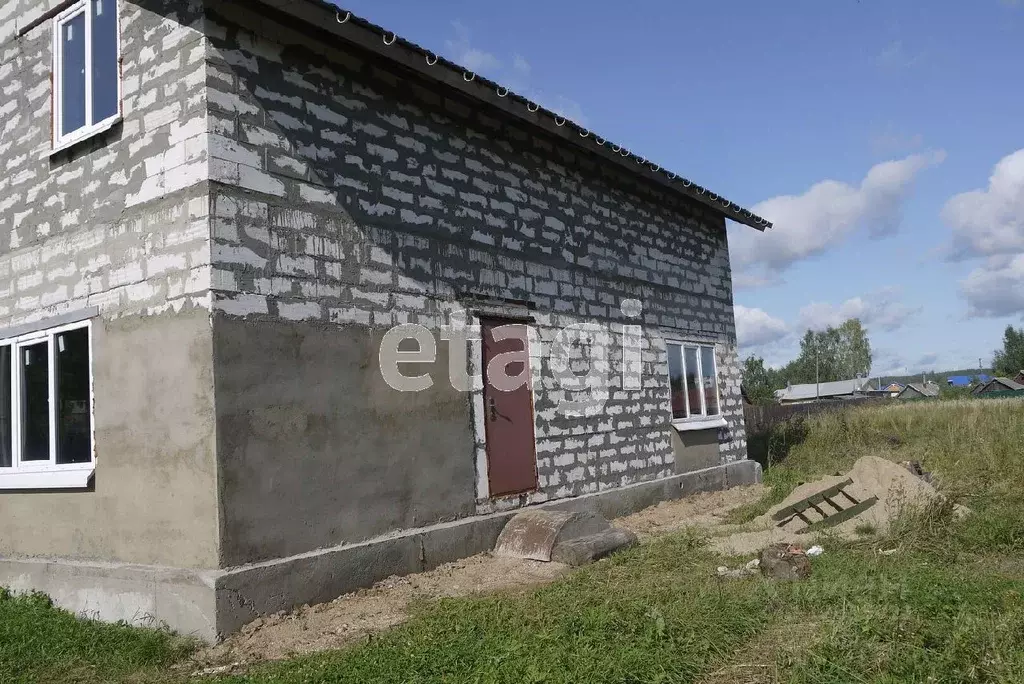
{"points": [[929, 389], [326, 15], [824, 389], [1004, 382], [965, 380]]}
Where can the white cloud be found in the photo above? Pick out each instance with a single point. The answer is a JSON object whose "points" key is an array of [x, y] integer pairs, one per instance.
{"points": [[895, 56], [464, 54], [996, 288], [755, 328], [879, 310], [828, 213], [513, 73], [990, 221]]}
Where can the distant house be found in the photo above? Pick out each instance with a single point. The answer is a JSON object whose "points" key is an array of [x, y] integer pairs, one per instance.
{"points": [[998, 385], [917, 390], [1019, 379], [840, 390], [966, 380], [892, 389]]}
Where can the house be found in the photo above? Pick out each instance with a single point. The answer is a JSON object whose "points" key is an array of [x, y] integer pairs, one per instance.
{"points": [[998, 385], [891, 389], [290, 305], [966, 380], [825, 391], [917, 390], [1019, 378]]}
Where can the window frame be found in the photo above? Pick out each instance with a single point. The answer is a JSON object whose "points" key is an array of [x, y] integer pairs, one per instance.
{"points": [[46, 474], [60, 141], [703, 421]]}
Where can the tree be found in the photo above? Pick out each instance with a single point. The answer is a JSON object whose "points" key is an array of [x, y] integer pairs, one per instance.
{"points": [[836, 353], [1009, 360], [760, 381]]}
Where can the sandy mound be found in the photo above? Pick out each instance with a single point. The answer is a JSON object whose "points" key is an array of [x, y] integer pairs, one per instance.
{"points": [[894, 485]]}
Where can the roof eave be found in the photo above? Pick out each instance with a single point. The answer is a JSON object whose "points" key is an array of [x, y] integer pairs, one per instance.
{"points": [[374, 39]]}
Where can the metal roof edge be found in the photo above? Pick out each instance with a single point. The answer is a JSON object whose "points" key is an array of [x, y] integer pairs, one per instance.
{"points": [[386, 44]]}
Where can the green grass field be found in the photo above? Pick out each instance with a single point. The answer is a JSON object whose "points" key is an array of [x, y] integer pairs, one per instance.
{"points": [[947, 607]]}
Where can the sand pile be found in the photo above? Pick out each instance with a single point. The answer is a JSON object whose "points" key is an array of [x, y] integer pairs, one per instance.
{"points": [[895, 486]]}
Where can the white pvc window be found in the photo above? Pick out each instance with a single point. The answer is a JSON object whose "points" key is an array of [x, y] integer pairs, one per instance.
{"points": [[86, 71], [46, 409], [693, 379]]}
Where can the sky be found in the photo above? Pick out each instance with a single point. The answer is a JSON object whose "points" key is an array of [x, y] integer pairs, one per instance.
{"points": [[884, 138]]}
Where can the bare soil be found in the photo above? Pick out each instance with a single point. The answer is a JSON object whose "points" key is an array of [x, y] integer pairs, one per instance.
{"points": [[700, 510], [353, 617]]}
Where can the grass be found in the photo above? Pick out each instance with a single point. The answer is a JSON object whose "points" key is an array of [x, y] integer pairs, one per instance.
{"points": [[947, 606], [41, 644]]}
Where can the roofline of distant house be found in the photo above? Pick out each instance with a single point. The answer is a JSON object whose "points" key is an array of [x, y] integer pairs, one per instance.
{"points": [[372, 38]]}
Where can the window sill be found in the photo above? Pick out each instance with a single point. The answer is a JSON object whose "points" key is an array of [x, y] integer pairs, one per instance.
{"points": [[699, 423], [67, 478], [82, 136]]}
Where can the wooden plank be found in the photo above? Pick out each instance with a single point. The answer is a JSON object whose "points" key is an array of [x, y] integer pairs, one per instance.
{"points": [[819, 497], [833, 504], [833, 520]]}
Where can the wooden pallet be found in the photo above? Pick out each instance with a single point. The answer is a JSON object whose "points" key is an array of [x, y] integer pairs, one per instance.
{"points": [[835, 505]]}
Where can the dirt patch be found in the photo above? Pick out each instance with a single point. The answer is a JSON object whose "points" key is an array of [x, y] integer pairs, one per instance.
{"points": [[700, 510], [354, 616]]}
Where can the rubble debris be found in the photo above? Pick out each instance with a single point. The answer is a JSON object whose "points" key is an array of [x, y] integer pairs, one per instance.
{"points": [[735, 573], [917, 469], [749, 570], [785, 562]]}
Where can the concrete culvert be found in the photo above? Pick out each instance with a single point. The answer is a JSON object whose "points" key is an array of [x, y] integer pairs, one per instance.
{"points": [[561, 536]]}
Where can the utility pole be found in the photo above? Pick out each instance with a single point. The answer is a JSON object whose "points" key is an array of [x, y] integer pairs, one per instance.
{"points": [[817, 381]]}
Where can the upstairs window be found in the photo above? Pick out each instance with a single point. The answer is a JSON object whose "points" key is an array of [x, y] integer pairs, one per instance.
{"points": [[693, 378], [86, 69]]}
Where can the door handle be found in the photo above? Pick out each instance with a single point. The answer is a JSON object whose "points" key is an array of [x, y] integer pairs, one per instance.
{"points": [[493, 408]]}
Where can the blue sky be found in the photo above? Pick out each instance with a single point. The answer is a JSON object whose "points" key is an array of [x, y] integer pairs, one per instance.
{"points": [[880, 136]]}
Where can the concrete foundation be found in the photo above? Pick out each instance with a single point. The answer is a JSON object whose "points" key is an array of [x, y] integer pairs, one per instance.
{"points": [[212, 603]]}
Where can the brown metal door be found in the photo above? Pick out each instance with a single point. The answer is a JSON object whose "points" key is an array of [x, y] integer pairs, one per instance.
{"points": [[508, 408]]}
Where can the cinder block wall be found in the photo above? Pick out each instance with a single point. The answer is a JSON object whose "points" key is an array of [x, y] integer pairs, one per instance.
{"points": [[349, 199], [119, 223]]}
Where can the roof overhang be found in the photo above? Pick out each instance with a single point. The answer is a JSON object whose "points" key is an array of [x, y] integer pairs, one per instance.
{"points": [[325, 18]]}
